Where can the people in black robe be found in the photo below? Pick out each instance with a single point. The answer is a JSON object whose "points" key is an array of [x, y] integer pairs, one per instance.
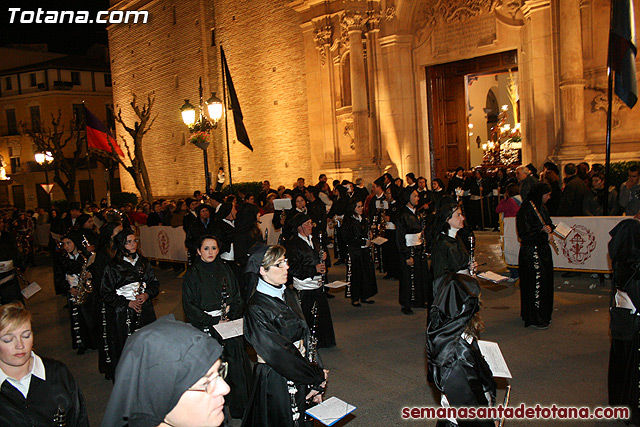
{"points": [[306, 272], [360, 269], [624, 357], [456, 183], [105, 252], [390, 255], [415, 281], [202, 226], [456, 364], [299, 206], [211, 295], [171, 374], [337, 212], [10, 259], [535, 264], [128, 287], [289, 371], [83, 303], [86, 227], [191, 216], [449, 253], [224, 229], [247, 234], [52, 393]]}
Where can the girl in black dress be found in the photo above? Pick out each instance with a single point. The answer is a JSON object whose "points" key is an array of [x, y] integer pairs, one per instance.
{"points": [[128, 287], [535, 263], [210, 295]]}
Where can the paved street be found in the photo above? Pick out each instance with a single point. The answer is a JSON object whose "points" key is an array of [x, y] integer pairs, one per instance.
{"points": [[379, 363]]}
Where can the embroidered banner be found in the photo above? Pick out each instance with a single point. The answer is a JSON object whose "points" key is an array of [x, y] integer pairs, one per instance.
{"points": [[585, 248], [164, 243]]}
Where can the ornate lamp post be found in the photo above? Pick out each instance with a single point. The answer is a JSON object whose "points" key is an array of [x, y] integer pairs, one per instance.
{"points": [[44, 159], [201, 126]]}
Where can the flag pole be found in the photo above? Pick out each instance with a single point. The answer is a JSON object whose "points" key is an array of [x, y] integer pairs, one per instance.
{"points": [[607, 163], [86, 146], [226, 123]]}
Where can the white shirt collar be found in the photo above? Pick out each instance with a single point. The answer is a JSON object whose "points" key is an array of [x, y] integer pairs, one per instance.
{"points": [[413, 210], [230, 222], [307, 239], [453, 232], [22, 385], [132, 262], [272, 291]]}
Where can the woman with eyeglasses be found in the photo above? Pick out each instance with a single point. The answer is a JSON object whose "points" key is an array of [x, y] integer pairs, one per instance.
{"points": [[170, 375], [128, 286], [289, 372], [210, 295], [35, 390]]}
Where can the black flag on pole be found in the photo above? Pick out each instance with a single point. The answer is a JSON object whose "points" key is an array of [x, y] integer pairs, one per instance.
{"points": [[622, 51], [234, 105]]}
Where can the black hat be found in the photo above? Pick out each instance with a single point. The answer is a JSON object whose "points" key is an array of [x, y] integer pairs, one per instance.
{"points": [[255, 258], [188, 201], [532, 169], [379, 182], [300, 219], [204, 206], [76, 237], [225, 210], [412, 176], [82, 219]]}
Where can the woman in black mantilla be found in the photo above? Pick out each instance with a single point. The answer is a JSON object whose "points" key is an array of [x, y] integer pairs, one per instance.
{"points": [[535, 264], [210, 295], [356, 236], [284, 377], [624, 359], [449, 253], [458, 368], [84, 312], [128, 287]]}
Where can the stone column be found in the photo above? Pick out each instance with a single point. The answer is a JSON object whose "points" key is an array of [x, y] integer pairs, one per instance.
{"points": [[571, 80], [538, 100], [353, 22], [373, 44]]}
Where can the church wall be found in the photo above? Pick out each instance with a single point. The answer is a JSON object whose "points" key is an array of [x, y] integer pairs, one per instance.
{"points": [[263, 45], [626, 123]]}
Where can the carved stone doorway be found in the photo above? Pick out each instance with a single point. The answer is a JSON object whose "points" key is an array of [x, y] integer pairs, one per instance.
{"points": [[448, 132]]}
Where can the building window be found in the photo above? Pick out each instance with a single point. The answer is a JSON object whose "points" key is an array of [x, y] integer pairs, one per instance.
{"points": [[107, 80], [14, 154], [32, 80], [111, 120], [35, 118], [75, 77], [8, 84], [12, 124], [78, 116]]}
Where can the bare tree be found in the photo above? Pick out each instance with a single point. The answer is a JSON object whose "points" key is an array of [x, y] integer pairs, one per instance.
{"points": [[53, 139], [137, 169]]}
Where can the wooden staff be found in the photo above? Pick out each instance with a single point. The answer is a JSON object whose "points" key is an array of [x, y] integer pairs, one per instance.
{"points": [[552, 241]]}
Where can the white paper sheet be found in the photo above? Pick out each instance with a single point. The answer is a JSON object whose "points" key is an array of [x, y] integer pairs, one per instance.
{"points": [[30, 290], [337, 284], [492, 354], [331, 411], [494, 277], [281, 204], [562, 230], [382, 204], [230, 329], [379, 240]]}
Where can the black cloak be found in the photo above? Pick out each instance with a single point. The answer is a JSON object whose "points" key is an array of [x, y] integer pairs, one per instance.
{"points": [[458, 368], [159, 363]]}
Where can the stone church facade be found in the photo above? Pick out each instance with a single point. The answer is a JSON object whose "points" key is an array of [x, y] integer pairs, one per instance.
{"points": [[355, 88]]}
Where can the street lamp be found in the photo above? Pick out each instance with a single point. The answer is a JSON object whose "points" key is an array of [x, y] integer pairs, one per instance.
{"points": [[201, 126], [43, 159]]}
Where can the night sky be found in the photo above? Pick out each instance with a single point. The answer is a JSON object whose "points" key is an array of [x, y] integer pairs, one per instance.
{"points": [[62, 38]]}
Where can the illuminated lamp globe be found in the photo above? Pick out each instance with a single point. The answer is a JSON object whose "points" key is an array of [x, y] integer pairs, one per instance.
{"points": [[214, 107], [188, 113]]}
